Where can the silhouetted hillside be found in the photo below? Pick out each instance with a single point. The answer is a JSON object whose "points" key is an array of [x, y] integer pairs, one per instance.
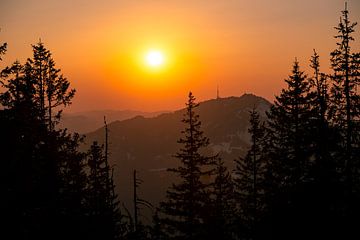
{"points": [[147, 144], [83, 122]]}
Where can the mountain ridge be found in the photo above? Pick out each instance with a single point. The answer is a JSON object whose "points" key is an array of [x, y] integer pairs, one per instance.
{"points": [[87, 121], [148, 144]]}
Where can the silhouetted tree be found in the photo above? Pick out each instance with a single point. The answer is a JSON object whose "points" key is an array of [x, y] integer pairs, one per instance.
{"points": [[324, 141], [51, 88], [73, 180], [289, 151], [118, 225], [186, 201], [104, 212], [31, 155], [97, 200], [222, 212], [19, 89], [249, 180], [345, 113], [324, 185], [42, 160]]}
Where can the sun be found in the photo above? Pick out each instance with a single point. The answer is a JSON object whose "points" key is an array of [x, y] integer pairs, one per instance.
{"points": [[154, 58]]}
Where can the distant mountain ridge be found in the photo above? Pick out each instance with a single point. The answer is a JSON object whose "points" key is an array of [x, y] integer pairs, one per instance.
{"points": [[148, 144], [84, 122]]}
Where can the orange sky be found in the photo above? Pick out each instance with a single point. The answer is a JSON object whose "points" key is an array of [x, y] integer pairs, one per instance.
{"points": [[242, 46]]}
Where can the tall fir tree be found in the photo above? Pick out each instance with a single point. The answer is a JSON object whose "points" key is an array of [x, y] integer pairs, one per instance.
{"points": [[118, 227], [35, 165], [345, 113], [288, 127], [44, 150], [187, 201], [221, 215], [324, 136], [106, 220], [97, 199], [52, 88], [289, 153], [71, 201], [323, 187], [249, 180]]}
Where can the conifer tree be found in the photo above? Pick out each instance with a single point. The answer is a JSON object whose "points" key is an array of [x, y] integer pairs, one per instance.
{"points": [[344, 91], [97, 200], [186, 201], [106, 220], [118, 226], [325, 186], [345, 113], [51, 88], [19, 88], [34, 156], [249, 179], [289, 151], [72, 212], [222, 216], [44, 161], [324, 141], [288, 127], [319, 82], [345, 80]]}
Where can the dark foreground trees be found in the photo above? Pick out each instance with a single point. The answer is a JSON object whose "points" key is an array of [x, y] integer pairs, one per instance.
{"points": [[47, 192], [33, 155]]}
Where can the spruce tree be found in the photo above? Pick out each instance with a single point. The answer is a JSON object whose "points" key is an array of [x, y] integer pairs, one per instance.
{"points": [[249, 180], [345, 80], [18, 88], [186, 201], [106, 220], [117, 226], [222, 213], [72, 210], [33, 153], [97, 194], [288, 127], [289, 154], [345, 114], [324, 140], [325, 186], [44, 161], [52, 88]]}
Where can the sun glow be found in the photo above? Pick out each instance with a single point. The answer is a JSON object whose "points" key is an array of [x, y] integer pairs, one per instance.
{"points": [[154, 58]]}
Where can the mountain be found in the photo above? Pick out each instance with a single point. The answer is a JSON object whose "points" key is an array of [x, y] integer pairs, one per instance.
{"points": [[148, 144], [83, 122]]}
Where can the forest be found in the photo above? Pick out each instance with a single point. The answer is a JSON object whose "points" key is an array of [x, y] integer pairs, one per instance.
{"points": [[300, 179]]}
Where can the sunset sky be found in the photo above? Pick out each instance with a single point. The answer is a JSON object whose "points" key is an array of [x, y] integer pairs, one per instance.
{"points": [[242, 46]]}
